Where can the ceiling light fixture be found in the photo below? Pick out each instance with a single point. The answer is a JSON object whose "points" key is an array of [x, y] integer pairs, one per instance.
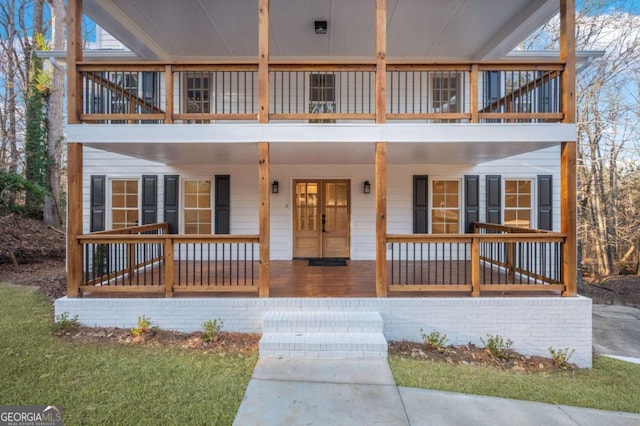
{"points": [[320, 27]]}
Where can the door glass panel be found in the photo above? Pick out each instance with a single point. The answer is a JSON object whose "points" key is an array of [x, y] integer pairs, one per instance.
{"points": [[342, 195]]}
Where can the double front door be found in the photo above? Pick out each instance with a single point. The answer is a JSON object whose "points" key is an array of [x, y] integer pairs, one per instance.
{"points": [[321, 222]]}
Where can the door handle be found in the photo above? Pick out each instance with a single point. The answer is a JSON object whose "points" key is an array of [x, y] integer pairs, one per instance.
{"points": [[324, 220]]}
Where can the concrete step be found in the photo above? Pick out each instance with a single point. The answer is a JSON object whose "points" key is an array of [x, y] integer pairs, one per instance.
{"points": [[322, 322], [323, 334], [324, 345]]}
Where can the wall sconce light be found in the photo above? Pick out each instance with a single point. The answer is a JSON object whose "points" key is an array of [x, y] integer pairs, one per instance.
{"points": [[367, 187], [274, 187], [320, 27]]}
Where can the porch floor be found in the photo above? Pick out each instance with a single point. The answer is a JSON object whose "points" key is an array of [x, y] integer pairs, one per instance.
{"points": [[295, 278]]}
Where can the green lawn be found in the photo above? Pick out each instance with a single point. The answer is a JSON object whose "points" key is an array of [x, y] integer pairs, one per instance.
{"points": [[610, 385], [114, 384]]}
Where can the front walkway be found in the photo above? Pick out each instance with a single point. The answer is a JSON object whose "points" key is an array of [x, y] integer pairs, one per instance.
{"points": [[348, 392]]}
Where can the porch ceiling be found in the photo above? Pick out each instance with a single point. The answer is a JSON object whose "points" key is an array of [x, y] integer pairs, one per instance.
{"points": [[197, 29]]}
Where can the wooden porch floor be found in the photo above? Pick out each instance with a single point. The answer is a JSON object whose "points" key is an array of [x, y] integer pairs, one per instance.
{"points": [[295, 278]]}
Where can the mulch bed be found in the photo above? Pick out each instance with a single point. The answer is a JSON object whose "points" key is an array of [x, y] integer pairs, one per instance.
{"points": [[473, 355]]}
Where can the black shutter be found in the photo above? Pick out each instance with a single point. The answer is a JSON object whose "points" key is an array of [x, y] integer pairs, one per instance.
{"points": [[98, 197], [545, 202], [420, 204], [149, 199], [494, 198], [223, 205], [492, 89], [171, 191], [471, 201]]}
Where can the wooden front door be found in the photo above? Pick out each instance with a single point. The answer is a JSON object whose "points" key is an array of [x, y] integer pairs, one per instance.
{"points": [[321, 222]]}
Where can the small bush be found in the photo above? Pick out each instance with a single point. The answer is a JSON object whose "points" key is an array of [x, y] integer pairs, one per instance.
{"points": [[144, 326], [62, 322], [561, 357], [211, 328], [436, 340], [497, 346]]}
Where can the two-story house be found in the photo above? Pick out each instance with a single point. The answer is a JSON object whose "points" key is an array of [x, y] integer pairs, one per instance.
{"points": [[398, 144]]}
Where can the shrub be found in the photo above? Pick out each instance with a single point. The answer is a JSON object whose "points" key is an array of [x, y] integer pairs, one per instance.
{"points": [[561, 357], [62, 322], [211, 328], [436, 340], [497, 346], [144, 326]]}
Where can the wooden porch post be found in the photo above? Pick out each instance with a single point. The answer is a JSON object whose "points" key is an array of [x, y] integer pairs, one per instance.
{"points": [[568, 208], [263, 61], [381, 149], [74, 218], [74, 150], [381, 219], [74, 54], [168, 84], [264, 196]]}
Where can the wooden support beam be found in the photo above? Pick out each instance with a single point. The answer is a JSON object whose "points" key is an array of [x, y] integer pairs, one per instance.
{"points": [[381, 61], [568, 217], [264, 195], [473, 95], [168, 267], [381, 218], [263, 61], [568, 181], [74, 55], [74, 219], [475, 267], [568, 57]]}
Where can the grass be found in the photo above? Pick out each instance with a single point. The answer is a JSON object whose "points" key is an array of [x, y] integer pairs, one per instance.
{"points": [[113, 384], [609, 385]]}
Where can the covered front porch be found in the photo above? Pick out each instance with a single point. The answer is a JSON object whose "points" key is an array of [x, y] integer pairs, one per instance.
{"points": [[495, 260]]}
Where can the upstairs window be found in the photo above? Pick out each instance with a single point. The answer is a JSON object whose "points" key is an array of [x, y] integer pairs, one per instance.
{"points": [[445, 93], [322, 95], [125, 211], [517, 203], [197, 90]]}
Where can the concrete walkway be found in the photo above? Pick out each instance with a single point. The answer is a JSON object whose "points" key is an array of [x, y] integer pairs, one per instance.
{"points": [[616, 331], [353, 392]]}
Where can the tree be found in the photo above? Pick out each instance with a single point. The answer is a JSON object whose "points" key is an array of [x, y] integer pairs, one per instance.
{"points": [[607, 122], [53, 212]]}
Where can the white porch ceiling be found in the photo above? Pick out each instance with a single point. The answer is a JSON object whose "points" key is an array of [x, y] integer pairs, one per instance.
{"points": [[206, 29]]}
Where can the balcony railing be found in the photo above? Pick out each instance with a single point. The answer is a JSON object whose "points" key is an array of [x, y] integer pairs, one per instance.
{"points": [[145, 259], [494, 258], [204, 93]]}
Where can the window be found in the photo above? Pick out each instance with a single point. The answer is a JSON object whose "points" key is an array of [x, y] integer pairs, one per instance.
{"points": [[322, 95], [445, 207], [197, 206], [517, 203], [124, 203], [197, 94], [445, 92]]}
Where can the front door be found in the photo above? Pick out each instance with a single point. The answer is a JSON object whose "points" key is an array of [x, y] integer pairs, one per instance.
{"points": [[321, 218]]}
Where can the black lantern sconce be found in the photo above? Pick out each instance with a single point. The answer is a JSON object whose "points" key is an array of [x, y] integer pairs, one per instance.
{"points": [[367, 187], [320, 27], [274, 187]]}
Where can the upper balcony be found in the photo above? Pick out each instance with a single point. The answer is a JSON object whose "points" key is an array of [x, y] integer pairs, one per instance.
{"points": [[473, 92]]}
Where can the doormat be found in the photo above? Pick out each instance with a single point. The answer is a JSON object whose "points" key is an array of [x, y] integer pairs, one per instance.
{"points": [[327, 262]]}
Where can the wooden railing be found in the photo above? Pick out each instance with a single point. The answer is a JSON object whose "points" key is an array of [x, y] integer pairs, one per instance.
{"points": [[495, 258], [146, 92], [141, 262]]}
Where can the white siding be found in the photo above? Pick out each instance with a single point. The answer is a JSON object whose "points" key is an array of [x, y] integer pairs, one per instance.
{"points": [[244, 191], [104, 40]]}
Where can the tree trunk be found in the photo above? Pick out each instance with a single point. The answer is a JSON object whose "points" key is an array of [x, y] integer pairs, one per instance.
{"points": [[53, 212]]}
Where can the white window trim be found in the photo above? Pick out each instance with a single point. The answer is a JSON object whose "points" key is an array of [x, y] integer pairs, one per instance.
{"points": [[109, 198], [181, 215], [534, 198], [460, 201]]}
